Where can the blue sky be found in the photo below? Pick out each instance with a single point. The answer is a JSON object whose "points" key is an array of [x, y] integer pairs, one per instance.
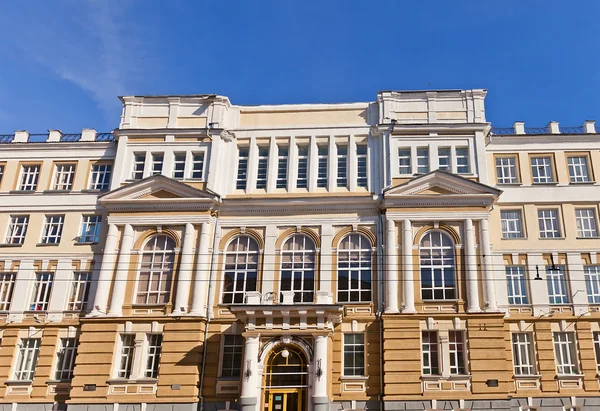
{"points": [[63, 64]]}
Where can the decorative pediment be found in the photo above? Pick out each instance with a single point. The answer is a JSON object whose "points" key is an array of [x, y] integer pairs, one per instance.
{"points": [[158, 192]]}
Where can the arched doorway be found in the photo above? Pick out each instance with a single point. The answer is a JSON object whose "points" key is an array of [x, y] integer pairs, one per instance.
{"points": [[286, 379]]}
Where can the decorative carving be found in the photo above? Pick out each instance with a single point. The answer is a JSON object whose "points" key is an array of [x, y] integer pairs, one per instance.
{"points": [[227, 135]]}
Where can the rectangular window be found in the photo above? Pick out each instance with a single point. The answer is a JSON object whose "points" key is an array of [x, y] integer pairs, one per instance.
{"points": [[462, 160], [157, 163], [90, 228], [578, 169], [429, 349], [506, 170], [263, 161], [29, 177], [597, 349], [198, 165], [548, 223], [404, 163], [126, 355], [17, 229], [511, 224], [80, 290], [342, 166], [592, 283], [586, 222], [42, 288], [523, 355], [153, 355], [354, 355], [139, 163], [361, 160], [242, 172], [423, 160], [1, 172], [302, 180], [7, 285], [63, 176], [541, 170], [66, 358], [566, 354], [100, 177], [53, 229], [282, 165], [444, 158], [517, 285], [557, 285], [179, 165], [456, 341], [233, 347], [29, 350], [323, 159]]}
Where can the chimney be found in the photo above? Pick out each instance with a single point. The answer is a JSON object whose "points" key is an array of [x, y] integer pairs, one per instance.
{"points": [[589, 126], [21, 136], [54, 136], [88, 134], [519, 127], [553, 127]]}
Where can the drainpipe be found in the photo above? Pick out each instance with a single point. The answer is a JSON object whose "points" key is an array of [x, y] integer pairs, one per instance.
{"points": [[380, 306]]}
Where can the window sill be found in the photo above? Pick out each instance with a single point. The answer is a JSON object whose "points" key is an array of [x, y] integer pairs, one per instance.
{"points": [[56, 191], [509, 184], [354, 378], [514, 238], [588, 238], [528, 377], [230, 379], [575, 183], [18, 382], [569, 376], [550, 183], [447, 377], [22, 192], [47, 244], [552, 238], [137, 381], [8, 245], [85, 242], [56, 382]]}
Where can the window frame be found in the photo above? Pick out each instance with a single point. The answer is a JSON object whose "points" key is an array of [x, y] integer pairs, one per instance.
{"points": [[432, 266], [35, 175], [421, 167], [517, 281], [152, 355], [100, 175], [558, 281], [592, 221], [551, 166], [447, 157], [7, 289], [66, 355], [543, 233], [197, 157], [302, 172], [179, 165], [362, 166], [588, 167], [262, 167], [157, 163], [41, 291], [365, 264], [514, 167], [236, 272], [466, 163], [523, 348], [432, 352], [341, 173], [596, 339], [455, 349], [569, 354], [293, 257], [59, 172], [126, 351], [52, 230], [79, 291], [166, 273], [27, 354], [591, 273], [241, 180], [282, 177], [356, 350], [234, 350], [139, 159], [401, 156], [14, 225], [507, 234], [322, 165], [84, 229]]}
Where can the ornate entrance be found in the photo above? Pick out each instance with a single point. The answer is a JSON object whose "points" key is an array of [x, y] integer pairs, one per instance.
{"points": [[286, 379]]}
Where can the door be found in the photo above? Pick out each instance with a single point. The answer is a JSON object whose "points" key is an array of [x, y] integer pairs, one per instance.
{"points": [[284, 401]]}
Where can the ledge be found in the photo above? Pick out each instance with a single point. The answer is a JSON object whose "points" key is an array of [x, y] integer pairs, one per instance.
{"points": [[85, 243], [354, 378], [48, 244], [550, 183], [588, 238], [582, 183], [449, 377], [18, 382], [509, 184], [527, 377], [22, 191], [8, 245], [552, 238], [569, 376], [515, 238], [56, 191], [113, 381]]}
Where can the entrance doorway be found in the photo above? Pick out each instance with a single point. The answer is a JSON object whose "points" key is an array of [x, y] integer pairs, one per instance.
{"points": [[286, 380]]}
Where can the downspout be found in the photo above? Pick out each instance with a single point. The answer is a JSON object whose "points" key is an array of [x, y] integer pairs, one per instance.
{"points": [[380, 306]]}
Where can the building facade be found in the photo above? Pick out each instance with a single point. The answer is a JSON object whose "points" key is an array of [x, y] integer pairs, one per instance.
{"points": [[390, 255]]}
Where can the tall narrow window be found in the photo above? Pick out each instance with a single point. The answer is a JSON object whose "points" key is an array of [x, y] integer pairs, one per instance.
{"points": [[323, 160], [100, 177], [506, 170], [456, 347], [354, 269], [444, 158], [282, 166], [157, 163], [557, 285], [404, 163], [153, 355], [302, 180], [429, 350], [242, 171], [523, 357], [29, 177], [597, 349], [263, 160], [548, 223], [233, 347], [541, 170], [179, 165], [90, 228], [354, 355], [462, 160], [139, 162], [7, 285], [42, 288], [298, 268], [342, 166], [29, 350], [565, 352], [511, 224], [17, 229], [1, 172], [361, 163], [578, 169], [53, 229], [517, 285], [422, 160], [437, 267], [197, 166], [126, 355], [586, 222], [65, 363], [63, 176], [156, 271], [80, 290], [592, 283], [241, 269]]}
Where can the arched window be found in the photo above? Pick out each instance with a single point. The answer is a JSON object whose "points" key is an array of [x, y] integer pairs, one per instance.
{"points": [[354, 269], [438, 279], [241, 269], [156, 271], [298, 268]]}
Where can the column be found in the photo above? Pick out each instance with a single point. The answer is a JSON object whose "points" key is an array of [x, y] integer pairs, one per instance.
{"points": [[118, 294], [185, 271], [488, 268], [250, 380], [471, 277], [391, 269], [202, 269], [407, 263], [326, 272], [106, 272], [24, 278], [320, 366]]}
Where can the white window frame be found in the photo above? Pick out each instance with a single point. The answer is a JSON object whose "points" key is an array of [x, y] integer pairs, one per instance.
{"points": [[587, 226], [100, 177], [29, 177], [41, 292], [138, 165], [423, 165], [283, 151], [342, 165], [457, 345], [303, 158], [511, 227], [160, 271], [592, 283], [445, 159], [64, 174], [7, 286], [430, 353], [242, 171], [80, 290], [357, 265], [197, 171], [579, 171], [429, 260], [126, 346], [232, 347], [541, 170], [299, 259], [89, 231], [523, 354], [243, 271], [404, 161], [322, 165], [52, 231], [558, 289], [1, 172], [549, 223], [65, 359], [158, 162], [463, 165], [597, 348], [506, 170], [565, 353], [153, 353], [262, 170], [362, 166], [516, 283], [356, 349], [179, 162], [17, 229], [29, 351]]}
